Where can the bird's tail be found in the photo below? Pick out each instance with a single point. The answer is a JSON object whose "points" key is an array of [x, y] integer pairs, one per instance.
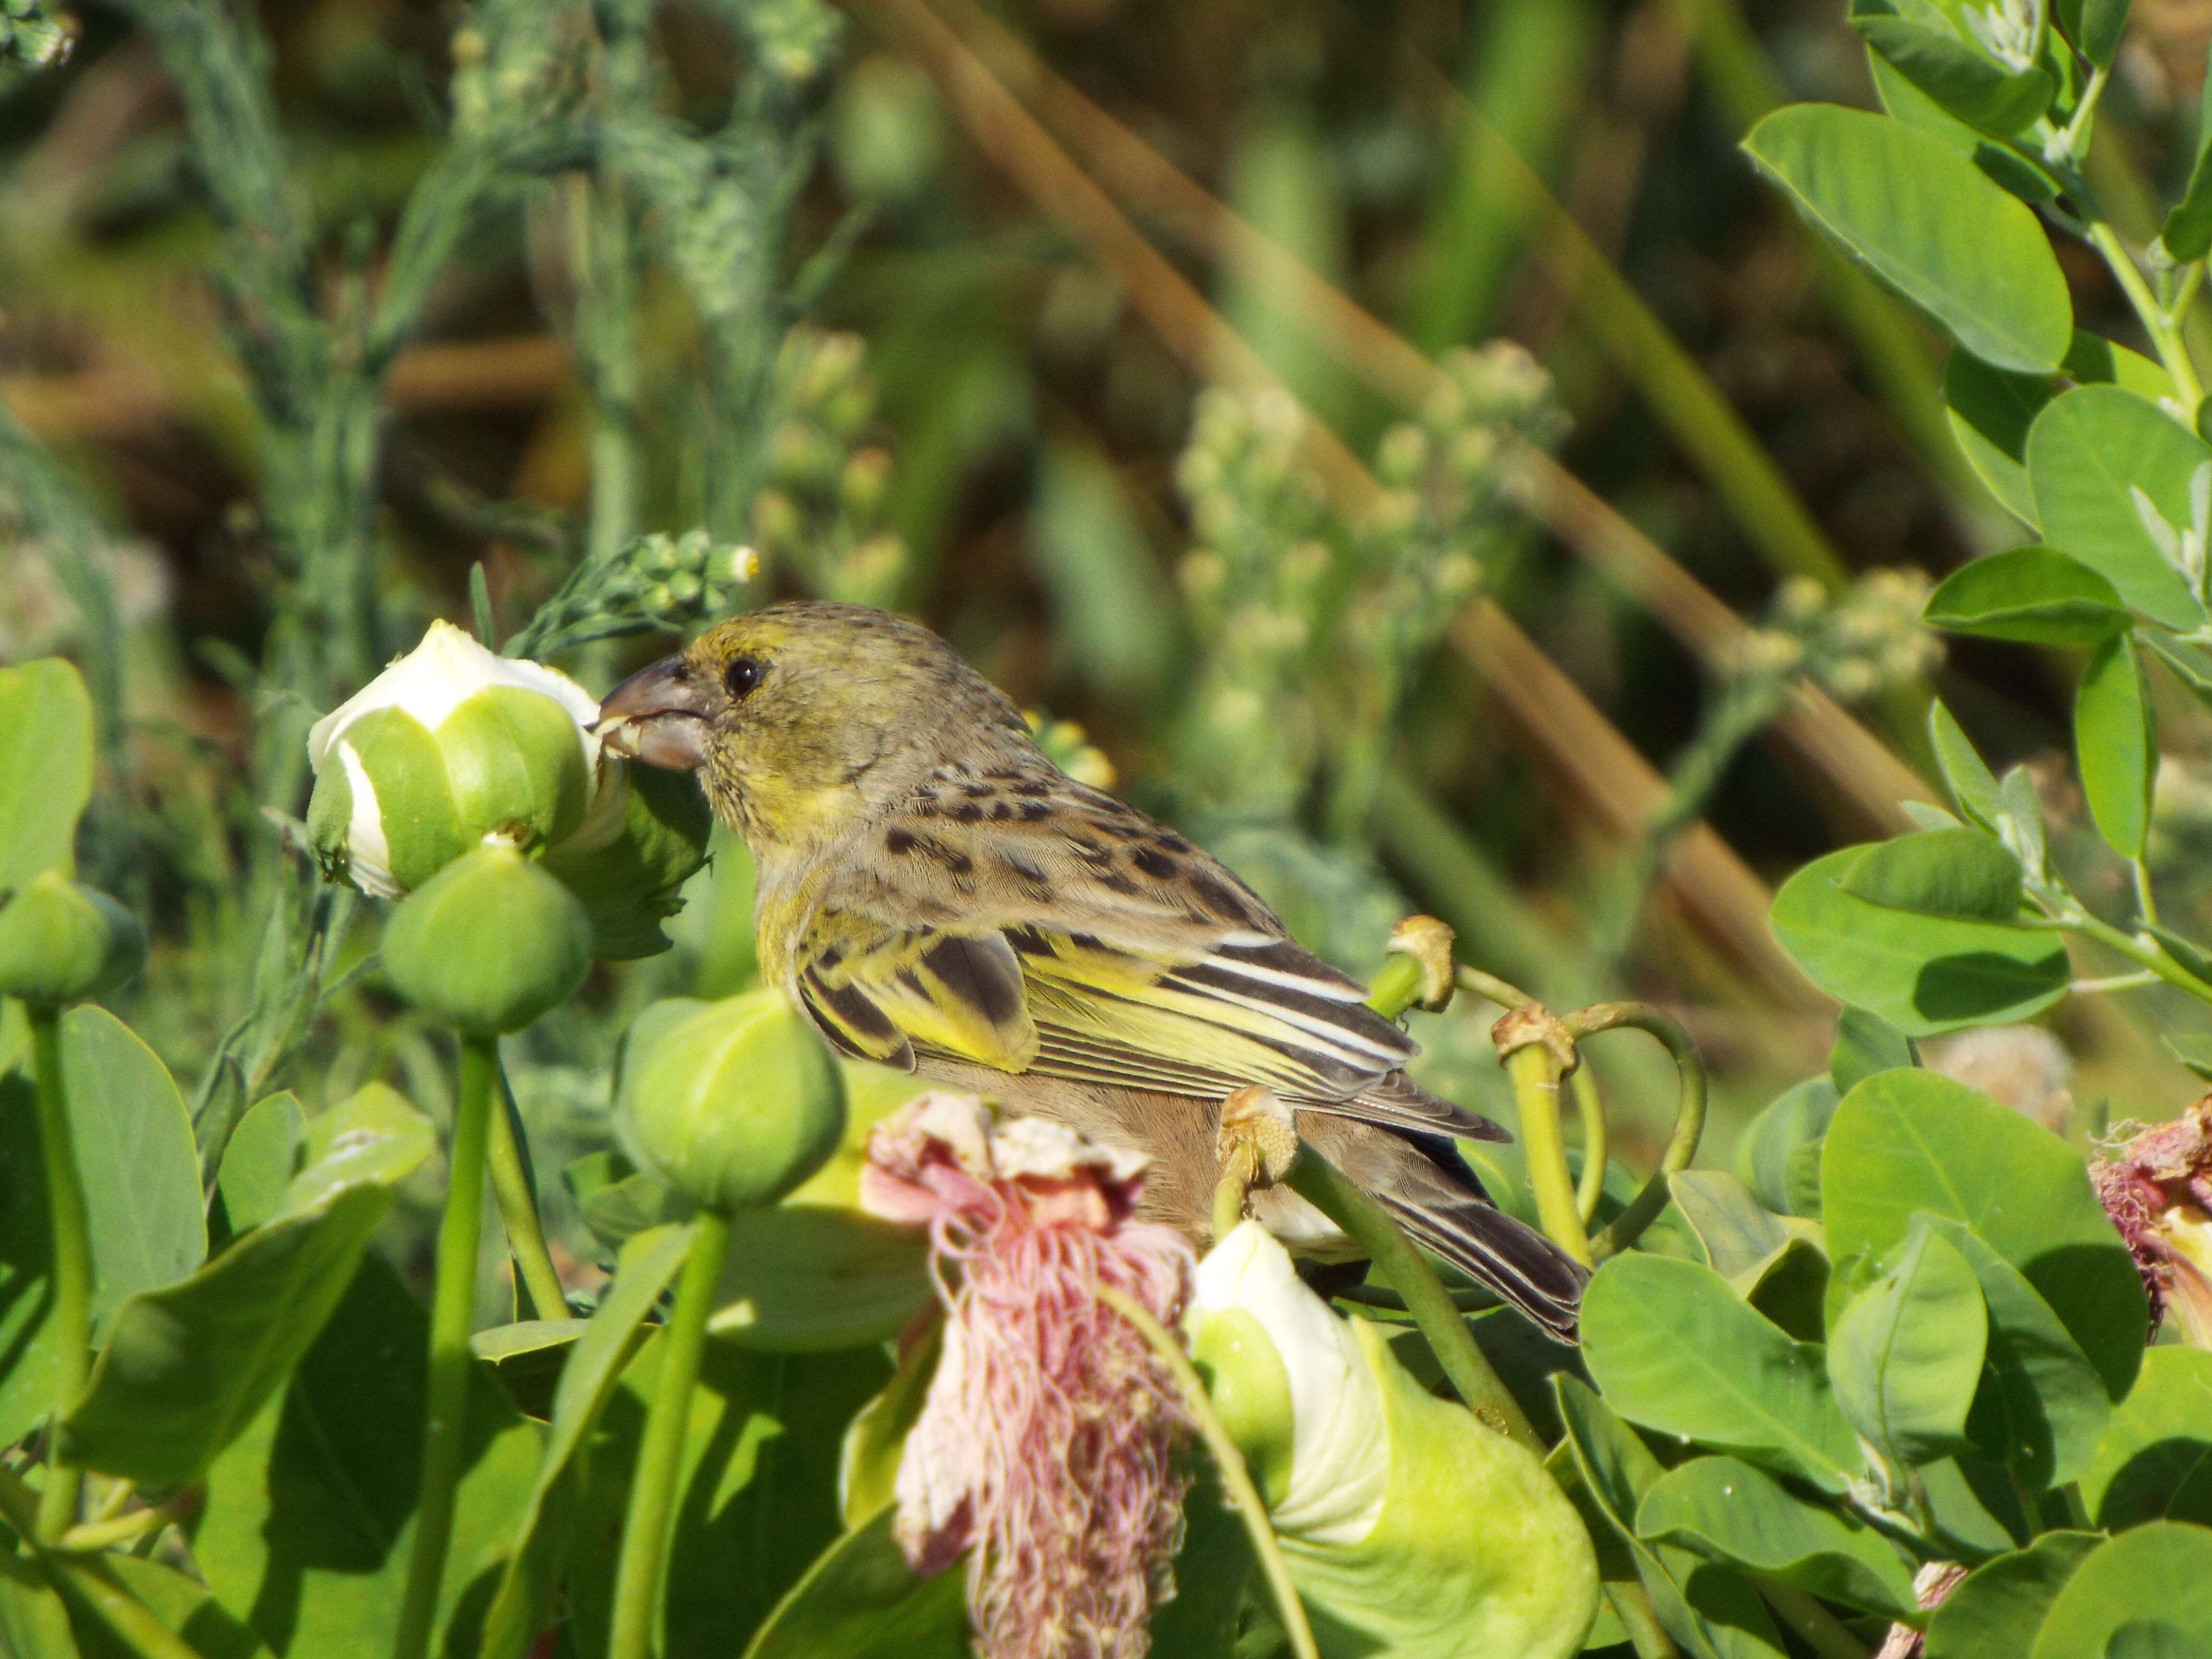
{"points": [[1524, 1269]]}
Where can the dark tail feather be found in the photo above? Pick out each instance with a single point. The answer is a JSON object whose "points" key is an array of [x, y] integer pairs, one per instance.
{"points": [[1524, 1268]]}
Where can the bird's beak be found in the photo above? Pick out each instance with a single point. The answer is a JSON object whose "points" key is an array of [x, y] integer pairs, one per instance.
{"points": [[658, 716]]}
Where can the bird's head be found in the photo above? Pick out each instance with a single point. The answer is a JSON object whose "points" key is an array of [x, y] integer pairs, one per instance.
{"points": [[800, 718]]}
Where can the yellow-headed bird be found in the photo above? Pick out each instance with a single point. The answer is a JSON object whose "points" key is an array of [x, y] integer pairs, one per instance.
{"points": [[941, 898]]}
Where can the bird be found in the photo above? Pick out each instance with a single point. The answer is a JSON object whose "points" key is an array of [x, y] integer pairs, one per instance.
{"points": [[939, 897]]}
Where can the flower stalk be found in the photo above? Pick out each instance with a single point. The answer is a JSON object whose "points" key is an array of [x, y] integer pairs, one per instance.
{"points": [[1689, 1114], [513, 1189], [660, 1454], [1538, 1053], [452, 1310], [72, 1236]]}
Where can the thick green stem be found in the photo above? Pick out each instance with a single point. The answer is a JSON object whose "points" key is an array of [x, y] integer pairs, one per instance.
{"points": [[1317, 1180], [518, 1212], [92, 1584], [660, 1455], [1396, 987], [452, 1314], [2172, 352], [2146, 954], [1535, 1071], [1589, 1191], [1236, 1478], [1689, 1114], [72, 1233]]}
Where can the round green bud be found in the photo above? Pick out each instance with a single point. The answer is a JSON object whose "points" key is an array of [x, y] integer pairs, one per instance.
{"points": [[60, 942], [735, 1106], [627, 863], [450, 744], [490, 943]]}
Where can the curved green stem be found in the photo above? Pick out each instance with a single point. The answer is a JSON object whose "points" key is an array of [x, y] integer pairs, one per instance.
{"points": [[518, 1211], [2146, 901], [1689, 1114], [1589, 1191], [72, 1233], [1535, 1071], [660, 1455], [1825, 1633], [2147, 955], [92, 1584], [1317, 1180], [452, 1314], [1396, 986], [1236, 1479]]}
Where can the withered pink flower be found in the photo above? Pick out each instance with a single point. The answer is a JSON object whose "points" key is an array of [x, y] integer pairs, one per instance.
{"points": [[2158, 1191], [1049, 1444]]}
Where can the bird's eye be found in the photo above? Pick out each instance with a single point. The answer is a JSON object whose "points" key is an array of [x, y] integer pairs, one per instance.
{"points": [[743, 675]]}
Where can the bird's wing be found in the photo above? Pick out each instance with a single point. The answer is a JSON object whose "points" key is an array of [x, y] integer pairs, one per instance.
{"points": [[1096, 946]]}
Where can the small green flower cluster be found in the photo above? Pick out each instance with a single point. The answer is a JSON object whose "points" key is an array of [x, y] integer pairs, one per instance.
{"points": [[658, 584], [823, 508], [30, 37], [1854, 646]]}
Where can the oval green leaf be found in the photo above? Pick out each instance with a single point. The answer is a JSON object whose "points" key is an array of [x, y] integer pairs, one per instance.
{"points": [[1674, 1348], [861, 1600], [2107, 468], [1996, 1610], [1963, 874], [2156, 1447], [2116, 743], [1928, 224], [1911, 1140], [1905, 1355], [1727, 1511], [1797, 1117], [2035, 595], [1973, 786], [2162, 1571], [1960, 78], [1925, 974]]}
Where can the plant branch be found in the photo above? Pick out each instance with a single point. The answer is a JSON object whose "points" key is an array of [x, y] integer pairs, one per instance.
{"points": [[2164, 336], [660, 1454], [453, 1313], [518, 1210], [1537, 1053], [72, 1282], [92, 1584], [1689, 1114], [1317, 1180], [1236, 1478]]}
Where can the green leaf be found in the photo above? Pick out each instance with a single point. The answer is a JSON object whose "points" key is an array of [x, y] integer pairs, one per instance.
{"points": [[2193, 1051], [1797, 1117], [1928, 223], [2154, 1638], [2115, 741], [527, 1356], [2159, 1571], [1989, 412], [1676, 1350], [186, 1367], [860, 1601], [46, 755], [616, 1200], [1959, 77], [2094, 26], [2036, 595], [2043, 1405], [33, 1623], [1974, 1511], [135, 1159], [310, 1513], [1704, 1609], [1963, 874], [259, 1161], [1995, 1611], [1788, 1287], [875, 1440], [1925, 974], [1866, 1044], [179, 1603], [2155, 1448], [1969, 779], [1737, 1231], [1730, 1511], [522, 1605], [1906, 1357], [2097, 458], [1911, 1140], [373, 1134], [2013, 170], [758, 1478]]}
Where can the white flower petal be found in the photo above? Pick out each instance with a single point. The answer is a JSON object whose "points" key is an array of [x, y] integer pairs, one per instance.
{"points": [[1339, 1436], [447, 667], [369, 854]]}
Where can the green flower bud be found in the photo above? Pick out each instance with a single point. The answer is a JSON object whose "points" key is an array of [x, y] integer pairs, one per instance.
{"points": [[1410, 1527], [61, 942], [448, 746], [490, 943], [626, 863], [734, 1106]]}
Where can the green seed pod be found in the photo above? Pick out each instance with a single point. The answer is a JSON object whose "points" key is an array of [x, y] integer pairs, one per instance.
{"points": [[734, 1106], [490, 943], [60, 942]]}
